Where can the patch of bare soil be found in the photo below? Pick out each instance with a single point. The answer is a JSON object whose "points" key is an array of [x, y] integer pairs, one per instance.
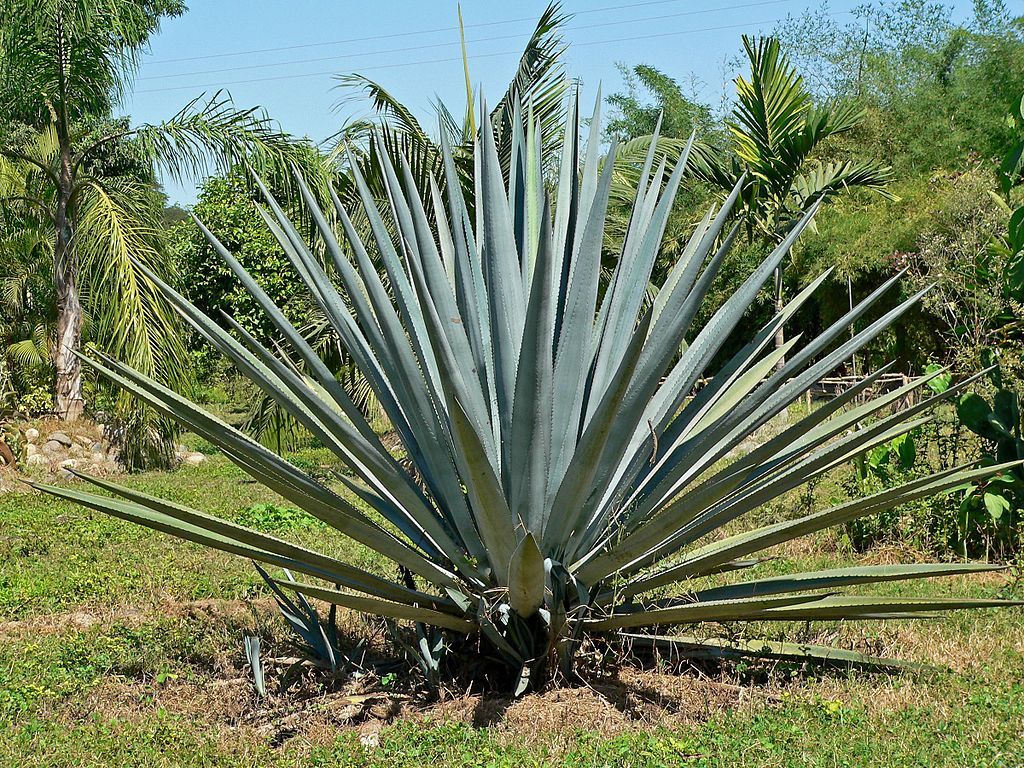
{"points": [[84, 619], [632, 698], [610, 705]]}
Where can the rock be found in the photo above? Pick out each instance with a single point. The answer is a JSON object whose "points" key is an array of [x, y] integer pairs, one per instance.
{"points": [[82, 620], [52, 446], [37, 460], [31, 450], [195, 459], [98, 456], [59, 437], [96, 447], [65, 467], [83, 440], [31, 434], [78, 451]]}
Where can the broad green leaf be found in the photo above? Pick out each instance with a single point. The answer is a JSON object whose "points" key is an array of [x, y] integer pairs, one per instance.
{"points": [[526, 577]]}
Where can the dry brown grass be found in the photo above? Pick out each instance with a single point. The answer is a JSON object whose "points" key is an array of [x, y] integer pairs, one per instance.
{"points": [[631, 699], [220, 695]]}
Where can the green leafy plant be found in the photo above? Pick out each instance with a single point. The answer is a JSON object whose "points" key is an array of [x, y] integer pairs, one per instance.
{"points": [[776, 132], [1011, 245], [273, 518], [564, 480], [90, 181], [990, 513], [884, 461]]}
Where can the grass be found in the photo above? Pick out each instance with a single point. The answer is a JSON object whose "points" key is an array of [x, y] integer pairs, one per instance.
{"points": [[120, 647]]}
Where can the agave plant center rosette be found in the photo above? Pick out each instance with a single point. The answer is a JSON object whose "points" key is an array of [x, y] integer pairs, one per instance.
{"points": [[565, 471]]}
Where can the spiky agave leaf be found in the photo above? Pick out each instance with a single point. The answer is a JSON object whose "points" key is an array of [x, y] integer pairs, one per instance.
{"points": [[560, 464]]}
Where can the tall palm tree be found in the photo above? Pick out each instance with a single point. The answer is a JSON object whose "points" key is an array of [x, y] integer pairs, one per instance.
{"points": [[774, 133], [539, 86], [64, 63], [116, 228]]}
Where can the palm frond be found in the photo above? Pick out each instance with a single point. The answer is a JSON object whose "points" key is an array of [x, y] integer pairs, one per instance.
{"points": [[212, 132], [117, 234], [539, 86]]}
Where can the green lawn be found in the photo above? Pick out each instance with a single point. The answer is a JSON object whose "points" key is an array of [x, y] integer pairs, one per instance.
{"points": [[120, 647]]}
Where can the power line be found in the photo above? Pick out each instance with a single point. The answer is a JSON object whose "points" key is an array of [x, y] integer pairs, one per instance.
{"points": [[451, 43], [478, 56], [402, 34]]}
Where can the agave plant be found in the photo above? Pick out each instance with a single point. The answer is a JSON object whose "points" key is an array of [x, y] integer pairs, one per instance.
{"points": [[567, 475]]}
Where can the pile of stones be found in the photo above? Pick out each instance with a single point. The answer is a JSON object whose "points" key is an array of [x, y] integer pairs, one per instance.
{"points": [[80, 446], [58, 448]]}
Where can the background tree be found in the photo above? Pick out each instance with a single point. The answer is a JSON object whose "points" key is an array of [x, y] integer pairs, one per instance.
{"points": [[935, 89], [650, 96], [775, 135], [538, 86], [63, 64]]}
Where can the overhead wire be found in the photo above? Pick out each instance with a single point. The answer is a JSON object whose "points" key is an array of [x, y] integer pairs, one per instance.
{"points": [[393, 65], [410, 33], [446, 44]]}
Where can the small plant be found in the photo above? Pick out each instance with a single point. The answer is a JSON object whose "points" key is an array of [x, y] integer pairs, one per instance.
{"points": [[989, 520], [318, 638], [274, 518], [564, 478], [252, 655], [889, 461]]}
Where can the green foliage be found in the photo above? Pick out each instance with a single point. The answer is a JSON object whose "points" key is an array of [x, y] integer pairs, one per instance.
{"points": [[558, 469], [1011, 170], [989, 519], [1009, 247], [924, 525], [896, 457], [89, 180], [970, 294], [116, 220], [775, 136], [936, 90], [227, 206], [272, 518], [652, 97], [107, 37]]}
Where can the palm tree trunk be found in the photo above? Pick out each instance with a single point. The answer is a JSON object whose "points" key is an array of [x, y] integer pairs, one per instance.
{"points": [[68, 400]]}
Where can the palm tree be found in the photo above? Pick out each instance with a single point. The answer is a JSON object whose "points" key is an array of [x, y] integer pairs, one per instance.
{"points": [[63, 64], [774, 132], [538, 86], [27, 327]]}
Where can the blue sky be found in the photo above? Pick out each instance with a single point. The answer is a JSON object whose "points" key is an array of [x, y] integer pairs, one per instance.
{"points": [[283, 56]]}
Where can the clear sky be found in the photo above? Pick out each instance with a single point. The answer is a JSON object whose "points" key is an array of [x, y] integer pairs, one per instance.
{"points": [[284, 56]]}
